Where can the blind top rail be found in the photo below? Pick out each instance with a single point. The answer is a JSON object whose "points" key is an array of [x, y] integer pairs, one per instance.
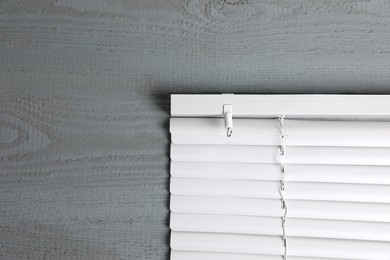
{"points": [[210, 105]]}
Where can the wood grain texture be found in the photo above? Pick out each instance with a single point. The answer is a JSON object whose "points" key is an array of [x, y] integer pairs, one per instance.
{"points": [[84, 103]]}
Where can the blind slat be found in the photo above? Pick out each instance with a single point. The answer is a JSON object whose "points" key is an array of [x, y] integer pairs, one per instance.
{"points": [[298, 246], [212, 131], [337, 248], [377, 212], [226, 224], [296, 172], [229, 243], [338, 155], [337, 133], [270, 154], [193, 255], [271, 190], [213, 170], [296, 227], [267, 132], [221, 153], [340, 229], [230, 188], [226, 205]]}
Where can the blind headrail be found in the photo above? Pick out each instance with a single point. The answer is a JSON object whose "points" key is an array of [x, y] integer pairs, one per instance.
{"points": [[210, 105]]}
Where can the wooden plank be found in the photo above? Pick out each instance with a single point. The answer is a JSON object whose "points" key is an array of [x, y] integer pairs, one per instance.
{"points": [[83, 179]]}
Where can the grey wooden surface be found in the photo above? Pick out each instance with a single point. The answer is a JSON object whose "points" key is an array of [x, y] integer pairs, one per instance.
{"points": [[84, 103]]}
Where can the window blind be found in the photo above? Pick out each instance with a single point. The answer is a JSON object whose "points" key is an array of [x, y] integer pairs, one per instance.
{"points": [[283, 185]]}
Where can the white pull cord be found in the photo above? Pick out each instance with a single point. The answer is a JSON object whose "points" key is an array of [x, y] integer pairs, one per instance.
{"points": [[228, 114], [282, 185]]}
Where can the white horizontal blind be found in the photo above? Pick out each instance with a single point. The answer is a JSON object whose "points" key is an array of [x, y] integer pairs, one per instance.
{"points": [[226, 191]]}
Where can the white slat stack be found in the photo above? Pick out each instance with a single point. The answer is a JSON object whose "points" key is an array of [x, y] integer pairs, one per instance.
{"points": [[226, 197]]}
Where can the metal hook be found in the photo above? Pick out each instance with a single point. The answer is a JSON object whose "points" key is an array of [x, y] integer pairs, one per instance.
{"points": [[228, 114], [229, 132]]}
